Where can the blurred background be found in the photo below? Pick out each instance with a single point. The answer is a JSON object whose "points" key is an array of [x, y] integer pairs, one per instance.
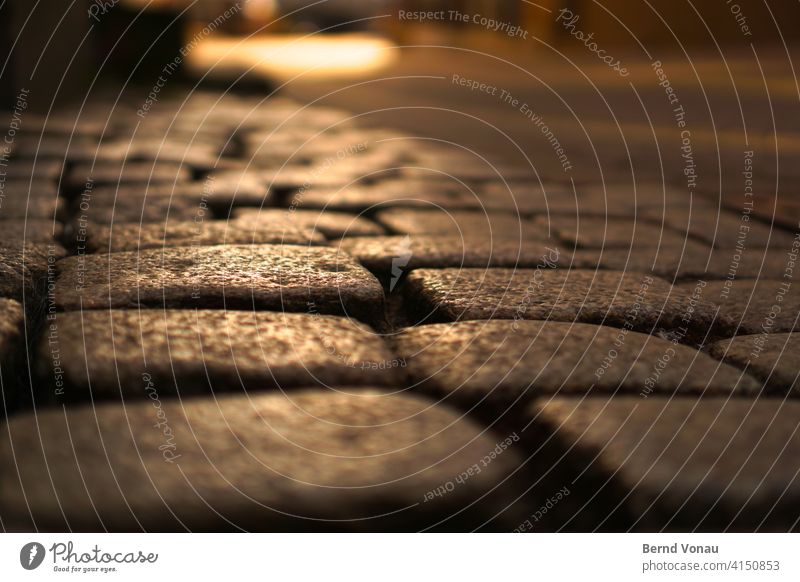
{"points": [[132, 39], [729, 64]]}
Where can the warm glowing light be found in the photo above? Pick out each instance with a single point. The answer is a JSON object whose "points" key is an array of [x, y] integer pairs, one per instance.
{"points": [[283, 57]]}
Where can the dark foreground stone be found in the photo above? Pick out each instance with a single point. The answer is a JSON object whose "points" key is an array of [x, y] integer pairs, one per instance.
{"points": [[682, 464], [312, 461]]}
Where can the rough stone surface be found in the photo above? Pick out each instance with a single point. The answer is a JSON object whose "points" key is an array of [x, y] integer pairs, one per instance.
{"points": [[380, 254], [266, 462], [691, 260], [504, 360], [680, 464], [607, 233], [218, 194], [527, 198], [220, 279], [330, 224], [772, 358], [757, 306], [131, 237], [226, 189], [402, 193], [727, 229], [23, 268], [640, 302], [142, 208], [462, 167], [107, 353], [265, 276], [458, 223]]}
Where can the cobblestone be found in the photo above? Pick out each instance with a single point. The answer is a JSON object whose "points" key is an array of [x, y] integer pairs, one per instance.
{"points": [[293, 278], [381, 254], [608, 233], [386, 193], [241, 231], [266, 463], [21, 200], [684, 464], [770, 357], [459, 224], [689, 260], [757, 305], [138, 206], [727, 230], [273, 317], [330, 224], [505, 360], [106, 354], [640, 302], [159, 202]]}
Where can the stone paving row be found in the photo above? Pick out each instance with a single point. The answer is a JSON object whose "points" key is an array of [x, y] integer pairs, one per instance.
{"points": [[381, 254], [106, 353], [458, 224], [186, 223], [591, 232], [315, 459], [691, 260], [392, 192], [506, 360], [618, 299], [277, 277], [240, 231], [248, 314]]}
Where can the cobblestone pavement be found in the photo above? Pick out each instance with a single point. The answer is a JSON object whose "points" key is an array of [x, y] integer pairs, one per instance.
{"points": [[245, 313]]}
